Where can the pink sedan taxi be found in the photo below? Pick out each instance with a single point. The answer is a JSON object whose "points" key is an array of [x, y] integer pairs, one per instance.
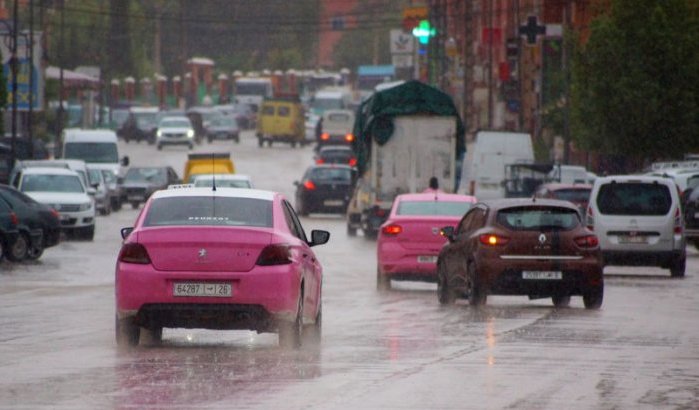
{"points": [[218, 258], [410, 240]]}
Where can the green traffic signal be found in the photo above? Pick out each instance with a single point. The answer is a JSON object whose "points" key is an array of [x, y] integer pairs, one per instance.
{"points": [[424, 31]]}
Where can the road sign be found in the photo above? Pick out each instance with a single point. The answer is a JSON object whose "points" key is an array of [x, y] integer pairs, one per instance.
{"points": [[402, 60], [401, 43], [532, 30]]}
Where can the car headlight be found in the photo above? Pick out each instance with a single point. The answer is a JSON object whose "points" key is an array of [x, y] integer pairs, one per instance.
{"points": [[159, 133], [190, 133], [85, 206]]}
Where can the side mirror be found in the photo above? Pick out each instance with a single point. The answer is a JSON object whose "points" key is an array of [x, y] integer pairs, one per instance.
{"points": [[91, 191], [126, 232], [125, 161], [447, 232], [319, 237], [297, 183], [120, 180]]}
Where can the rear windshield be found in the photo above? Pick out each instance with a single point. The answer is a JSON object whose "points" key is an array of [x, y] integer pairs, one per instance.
{"points": [[331, 174], [634, 198], [435, 208], [572, 195], [538, 218], [207, 210], [92, 152], [339, 117]]}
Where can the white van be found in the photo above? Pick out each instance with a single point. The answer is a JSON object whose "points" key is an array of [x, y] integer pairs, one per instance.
{"points": [[638, 221], [99, 149], [484, 172]]}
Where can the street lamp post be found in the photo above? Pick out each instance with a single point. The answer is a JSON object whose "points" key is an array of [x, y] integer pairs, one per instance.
{"points": [[13, 30]]}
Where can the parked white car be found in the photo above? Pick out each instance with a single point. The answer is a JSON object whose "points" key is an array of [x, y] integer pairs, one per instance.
{"points": [[63, 190], [175, 130]]}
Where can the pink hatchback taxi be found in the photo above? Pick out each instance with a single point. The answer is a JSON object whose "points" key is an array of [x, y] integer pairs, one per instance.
{"points": [[223, 258], [410, 240]]}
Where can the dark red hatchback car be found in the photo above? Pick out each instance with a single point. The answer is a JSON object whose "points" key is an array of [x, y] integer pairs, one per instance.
{"points": [[533, 247]]}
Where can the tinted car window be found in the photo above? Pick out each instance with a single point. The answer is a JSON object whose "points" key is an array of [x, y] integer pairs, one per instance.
{"points": [[573, 195], [634, 198], [433, 208], [153, 175], [538, 218], [330, 174], [205, 210], [268, 110], [339, 117]]}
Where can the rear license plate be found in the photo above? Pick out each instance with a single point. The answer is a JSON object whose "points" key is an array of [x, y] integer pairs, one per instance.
{"points": [[135, 198], [426, 259], [542, 275], [633, 239], [221, 290], [333, 202]]}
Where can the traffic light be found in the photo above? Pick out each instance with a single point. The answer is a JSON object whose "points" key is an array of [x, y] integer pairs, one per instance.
{"points": [[424, 31]]}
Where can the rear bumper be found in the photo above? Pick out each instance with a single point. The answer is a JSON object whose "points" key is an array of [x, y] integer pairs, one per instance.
{"points": [[259, 297], [641, 258], [400, 263]]}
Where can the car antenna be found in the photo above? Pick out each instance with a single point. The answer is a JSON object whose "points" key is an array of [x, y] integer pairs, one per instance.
{"points": [[213, 174]]}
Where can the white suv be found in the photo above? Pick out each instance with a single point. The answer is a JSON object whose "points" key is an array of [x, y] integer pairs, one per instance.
{"points": [[638, 221], [63, 190]]}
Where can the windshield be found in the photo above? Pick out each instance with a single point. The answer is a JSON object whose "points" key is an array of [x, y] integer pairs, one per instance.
{"points": [[206, 210], [150, 175], [436, 208], [52, 183], [572, 195], [92, 152], [533, 218], [330, 174], [327, 103], [94, 176], [175, 123], [261, 89], [145, 120], [222, 183]]}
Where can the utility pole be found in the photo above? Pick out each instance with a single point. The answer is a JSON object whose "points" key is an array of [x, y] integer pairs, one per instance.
{"points": [[13, 68], [490, 12], [566, 83], [30, 128]]}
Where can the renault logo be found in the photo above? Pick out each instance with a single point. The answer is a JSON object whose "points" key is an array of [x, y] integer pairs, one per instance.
{"points": [[542, 239], [202, 253]]}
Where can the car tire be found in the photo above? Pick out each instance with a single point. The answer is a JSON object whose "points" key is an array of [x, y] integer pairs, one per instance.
{"points": [[134, 205], [478, 295], [561, 301], [3, 248], [592, 298], [351, 230], [237, 139], [191, 146], [371, 233], [260, 142], [36, 250], [88, 233], [18, 251], [152, 337], [269, 143], [678, 267], [445, 294], [383, 282], [160, 147], [313, 333], [127, 332], [293, 144], [290, 332]]}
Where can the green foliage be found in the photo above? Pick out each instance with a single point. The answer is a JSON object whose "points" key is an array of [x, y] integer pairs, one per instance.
{"points": [[635, 83]]}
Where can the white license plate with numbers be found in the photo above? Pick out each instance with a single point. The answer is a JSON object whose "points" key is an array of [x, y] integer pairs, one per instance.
{"points": [[427, 259], [220, 290], [542, 275]]}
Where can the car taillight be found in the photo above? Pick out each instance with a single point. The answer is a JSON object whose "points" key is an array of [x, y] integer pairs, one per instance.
{"points": [[490, 239], [587, 241], [13, 218], [309, 185], [349, 137], [325, 136], [55, 213], [392, 229], [353, 162], [134, 253], [320, 161], [276, 254], [678, 222], [590, 219]]}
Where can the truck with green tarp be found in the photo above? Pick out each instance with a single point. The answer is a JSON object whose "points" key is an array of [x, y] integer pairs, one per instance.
{"points": [[405, 135]]}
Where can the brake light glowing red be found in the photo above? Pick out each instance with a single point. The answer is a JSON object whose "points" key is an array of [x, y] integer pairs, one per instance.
{"points": [[275, 254], [349, 137], [587, 241], [392, 229], [324, 136], [320, 161], [55, 213], [678, 222], [353, 162], [309, 185], [134, 253], [490, 239]]}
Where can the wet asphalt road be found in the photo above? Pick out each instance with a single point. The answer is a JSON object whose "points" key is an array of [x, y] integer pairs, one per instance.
{"points": [[393, 350]]}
